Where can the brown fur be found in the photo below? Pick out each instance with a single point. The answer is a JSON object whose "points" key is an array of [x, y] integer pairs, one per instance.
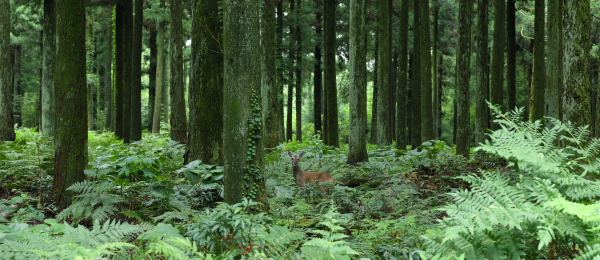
{"points": [[303, 177]]}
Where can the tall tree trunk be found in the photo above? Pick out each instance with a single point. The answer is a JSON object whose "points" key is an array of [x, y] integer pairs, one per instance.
{"points": [[409, 101], [160, 64], [299, 73], [166, 100], [577, 26], [357, 143], [383, 76], [119, 71], [401, 140], [244, 171], [291, 58], [427, 131], [269, 75], [127, 68], [48, 68], [462, 78], [483, 72], [318, 78], [435, 65], [375, 90], [496, 92], [539, 71], [280, 70], [440, 92], [89, 71], [136, 88], [511, 54], [553, 79], [40, 80], [415, 139], [152, 76], [108, 96], [7, 121], [70, 139], [18, 92], [205, 133], [393, 87], [330, 85], [178, 115]]}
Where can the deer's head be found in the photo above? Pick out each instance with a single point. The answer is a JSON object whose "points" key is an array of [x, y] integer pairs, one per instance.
{"points": [[295, 158]]}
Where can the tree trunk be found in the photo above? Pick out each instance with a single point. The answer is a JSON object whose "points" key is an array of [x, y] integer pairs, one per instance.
{"points": [[152, 76], [166, 100], [269, 77], [357, 144], [108, 87], [18, 92], [70, 139], [576, 101], [401, 140], [511, 54], [89, 71], [553, 79], [206, 86], [393, 87], [375, 89], [280, 70], [427, 131], [119, 70], [291, 57], [318, 78], [127, 69], [48, 68], [383, 76], [463, 55], [160, 64], [299, 72], [330, 84], [496, 92], [409, 101], [435, 65], [483, 73], [244, 165], [136, 88], [415, 139], [440, 92], [178, 115], [539, 71], [7, 130]]}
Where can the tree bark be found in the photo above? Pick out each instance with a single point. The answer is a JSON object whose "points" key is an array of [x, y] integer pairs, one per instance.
{"points": [[160, 64], [108, 87], [48, 68], [136, 88], [178, 115], [427, 131], [7, 130], [483, 72], [318, 78], [463, 54], [511, 54], [496, 91], [577, 26], [18, 92], [415, 139], [127, 69], [401, 140], [152, 75], [119, 71], [383, 76], [299, 72], [539, 71], [440, 92], [70, 140], [375, 90], [330, 84], [357, 144], [242, 140], [553, 79], [269, 75], [205, 133], [291, 58], [435, 65], [280, 70]]}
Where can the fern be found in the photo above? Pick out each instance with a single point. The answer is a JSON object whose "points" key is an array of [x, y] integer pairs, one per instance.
{"points": [[96, 201]]}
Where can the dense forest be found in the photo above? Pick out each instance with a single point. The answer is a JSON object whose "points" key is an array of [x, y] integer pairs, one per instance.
{"points": [[299, 129]]}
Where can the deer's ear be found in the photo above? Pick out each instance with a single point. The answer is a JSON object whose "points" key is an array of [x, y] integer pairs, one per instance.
{"points": [[301, 154], [290, 153]]}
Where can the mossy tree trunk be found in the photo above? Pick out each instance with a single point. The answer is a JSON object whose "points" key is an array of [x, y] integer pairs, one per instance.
{"points": [[280, 70], [538, 89], [270, 89], [383, 75], [330, 85], [127, 68], [299, 72], [511, 54], [7, 130], [415, 138], [553, 79], [242, 134], [577, 26], [70, 139], [119, 70], [483, 72], [427, 131], [463, 54], [318, 78], [357, 145], [136, 87], [178, 116], [402, 90], [205, 133], [496, 91], [160, 64], [151, 75], [108, 87], [48, 68]]}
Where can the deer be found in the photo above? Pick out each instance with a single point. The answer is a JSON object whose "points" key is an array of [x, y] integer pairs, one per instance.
{"points": [[303, 177]]}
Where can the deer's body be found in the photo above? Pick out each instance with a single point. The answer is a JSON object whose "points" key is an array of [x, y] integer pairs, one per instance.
{"points": [[304, 177]]}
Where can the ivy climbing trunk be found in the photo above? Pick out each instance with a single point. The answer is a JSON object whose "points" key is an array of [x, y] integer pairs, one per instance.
{"points": [[496, 91], [178, 116], [415, 139], [242, 140], [401, 91], [330, 84], [270, 89], [7, 130], [463, 54], [383, 75], [127, 68], [136, 87], [483, 72], [511, 54], [299, 72], [48, 68], [205, 133], [119, 70], [70, 139], [318, 77], [538, 89], [357, 143], [576, 73]]}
